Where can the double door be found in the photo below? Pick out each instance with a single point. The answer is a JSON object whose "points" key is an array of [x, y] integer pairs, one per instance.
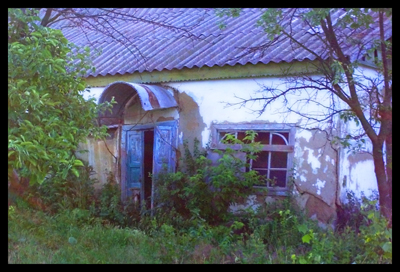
{"points": [[149, 150]]}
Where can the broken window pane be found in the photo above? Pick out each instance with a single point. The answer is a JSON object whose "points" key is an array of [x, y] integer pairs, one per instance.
{"points": [[279, 159]]}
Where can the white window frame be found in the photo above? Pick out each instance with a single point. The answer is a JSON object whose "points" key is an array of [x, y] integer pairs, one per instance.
{"points": [[260, 127]]}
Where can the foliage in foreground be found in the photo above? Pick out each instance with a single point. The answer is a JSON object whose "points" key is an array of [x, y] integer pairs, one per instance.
{"points": [[205, 191], [76, 225], [47, 114], [77, 236], [106, 230]]}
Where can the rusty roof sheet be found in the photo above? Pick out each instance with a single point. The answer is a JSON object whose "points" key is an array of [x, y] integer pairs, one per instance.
{"points": [[152, 97], [175, 38]]}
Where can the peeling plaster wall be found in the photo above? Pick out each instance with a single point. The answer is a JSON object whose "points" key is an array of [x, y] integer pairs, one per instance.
{"points": [[94, 92], [356, 170], [316, 178], [191, 124], [202, 103], [315, 160], [100, 158], [357, 175]]}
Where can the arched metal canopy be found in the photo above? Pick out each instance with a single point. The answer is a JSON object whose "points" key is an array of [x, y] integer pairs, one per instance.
{"points": [[152, 97]]}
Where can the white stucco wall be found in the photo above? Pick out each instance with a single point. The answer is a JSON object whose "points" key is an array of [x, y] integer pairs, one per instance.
{"points": [[212, 97], [93, 92]]}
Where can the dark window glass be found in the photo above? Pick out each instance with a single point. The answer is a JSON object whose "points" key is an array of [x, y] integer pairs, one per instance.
{"points": [[241, 136], [262, 160], [266, 160], [262, 137], [278, 140], [279, 159]]}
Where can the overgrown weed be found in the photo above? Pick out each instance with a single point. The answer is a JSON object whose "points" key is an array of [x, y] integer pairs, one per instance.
{"points": [[185, 230]]}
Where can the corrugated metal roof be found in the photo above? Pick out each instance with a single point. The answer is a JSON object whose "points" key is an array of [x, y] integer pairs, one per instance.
{"points": [[174, 38], [151, 97]]}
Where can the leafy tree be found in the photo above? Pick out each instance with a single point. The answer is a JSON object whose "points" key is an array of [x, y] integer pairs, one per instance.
{"points": [[345, 38], [47, 114]]}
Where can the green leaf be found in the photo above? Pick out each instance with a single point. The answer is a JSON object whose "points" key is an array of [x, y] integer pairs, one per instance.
{"points": [[78, 163], [371, 215], [302, 228], [37, 34], [302, 260], [76, 173], [26, 143], [387, 247], [306, 238]]}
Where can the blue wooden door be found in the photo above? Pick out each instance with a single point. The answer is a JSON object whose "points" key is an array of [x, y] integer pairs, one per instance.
{"points": [[164, 156], [164, 149], [134, 161], [133, 148]]}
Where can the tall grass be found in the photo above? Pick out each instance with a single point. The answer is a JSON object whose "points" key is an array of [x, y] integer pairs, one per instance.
{"points": [[76, 237], [72, 224]]}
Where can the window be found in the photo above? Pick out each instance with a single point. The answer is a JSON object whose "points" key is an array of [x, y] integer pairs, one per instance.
{"points": [[274, 161]]}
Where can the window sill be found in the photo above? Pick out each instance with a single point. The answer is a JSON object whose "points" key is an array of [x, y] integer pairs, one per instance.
{"points": [[271, 191]]}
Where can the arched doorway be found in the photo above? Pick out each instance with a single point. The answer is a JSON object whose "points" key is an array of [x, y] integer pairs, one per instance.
{"points": [[144, 148]]}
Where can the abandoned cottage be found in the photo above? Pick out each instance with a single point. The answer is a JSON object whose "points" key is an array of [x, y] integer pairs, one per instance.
{"points": [[176, 76]]}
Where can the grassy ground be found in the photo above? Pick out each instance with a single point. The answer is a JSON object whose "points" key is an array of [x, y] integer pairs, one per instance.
{"points": [[34, 237], [76, 237]]}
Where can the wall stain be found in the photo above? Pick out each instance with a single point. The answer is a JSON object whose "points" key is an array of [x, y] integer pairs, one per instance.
{"points": [[319, 201], [191, 123]]}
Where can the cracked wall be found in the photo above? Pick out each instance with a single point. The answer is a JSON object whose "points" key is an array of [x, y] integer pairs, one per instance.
{"points": [[316, 179]]}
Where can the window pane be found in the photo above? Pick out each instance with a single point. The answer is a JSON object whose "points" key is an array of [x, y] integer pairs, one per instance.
{"points": [[262, 160], [221, 136], [241, 136], [279, 138], [262, 173], [279, 159], [279, 177], [262, 137]]}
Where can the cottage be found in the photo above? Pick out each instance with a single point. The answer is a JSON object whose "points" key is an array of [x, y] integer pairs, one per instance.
{"points": [[176, 76]]}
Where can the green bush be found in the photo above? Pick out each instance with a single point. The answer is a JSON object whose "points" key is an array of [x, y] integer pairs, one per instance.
{"points": [[366, 241], [376, 236], [109, 206], [72, 192], [202, 190]]}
